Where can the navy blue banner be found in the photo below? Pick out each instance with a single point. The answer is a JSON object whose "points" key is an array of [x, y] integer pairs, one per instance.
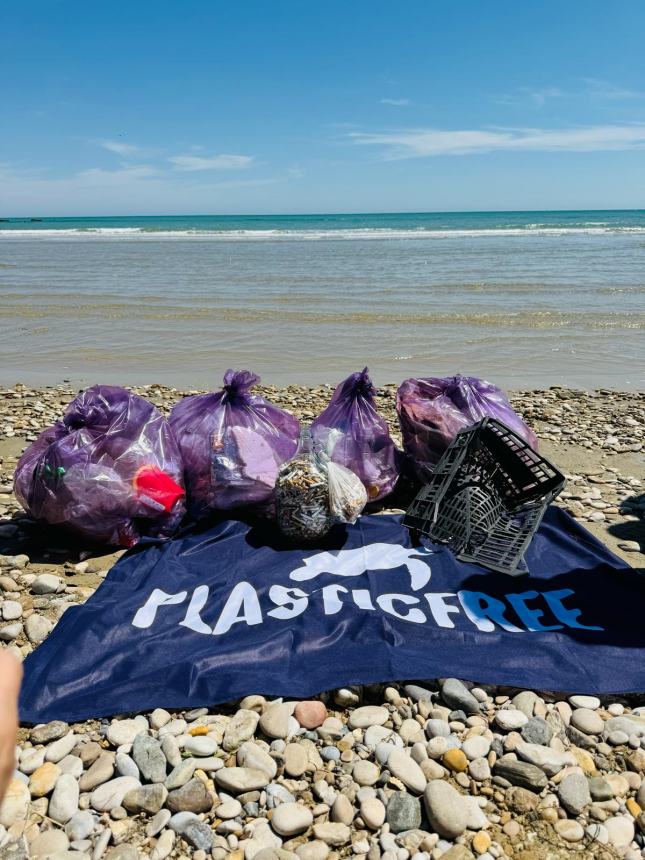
{"points": [[223, 611]]}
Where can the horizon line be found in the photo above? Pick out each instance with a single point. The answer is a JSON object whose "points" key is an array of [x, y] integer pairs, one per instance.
{"points": [[37, 217]]}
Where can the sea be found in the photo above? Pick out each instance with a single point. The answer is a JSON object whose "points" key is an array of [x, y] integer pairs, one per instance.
{"points": [[524, 299]]}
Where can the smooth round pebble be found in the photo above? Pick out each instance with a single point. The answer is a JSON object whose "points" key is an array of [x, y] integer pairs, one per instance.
{"points": [[510, 720], [365, 773], [620, 830], [587, 721], [330, 753], [405, 768], [368, 715], [455, 760], [476, 747], [598, 832], [570, 831], [437, 728], [310, 714], [201, 745], [445, 808], [617, 738], [291, 818], [589, 702], [372, 812]]}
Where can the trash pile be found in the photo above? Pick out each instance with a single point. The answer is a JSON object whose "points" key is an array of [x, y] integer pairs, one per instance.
{"points": [[113, 469], [313, 493], [110, 469], [233, 444], [487, 497], [354, 435], [432, 411]]}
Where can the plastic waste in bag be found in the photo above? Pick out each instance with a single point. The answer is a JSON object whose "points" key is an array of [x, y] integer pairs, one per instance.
{"points": [[432, 411], [233, 443], [354, 435], [109, 470], [313, 493]]}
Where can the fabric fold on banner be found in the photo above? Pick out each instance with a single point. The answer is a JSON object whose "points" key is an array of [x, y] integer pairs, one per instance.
{"points": [[226, 610]]}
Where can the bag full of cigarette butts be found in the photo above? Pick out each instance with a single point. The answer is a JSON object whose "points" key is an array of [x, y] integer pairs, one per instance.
{"points": [[432, 411], [354, 435], [233, 442], [313, 494], [109, 470]]}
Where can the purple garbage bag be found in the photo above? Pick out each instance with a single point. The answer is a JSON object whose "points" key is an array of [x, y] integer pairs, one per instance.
{"points": [[354, 435], [432, 411], [110, 470], [233, 443]]}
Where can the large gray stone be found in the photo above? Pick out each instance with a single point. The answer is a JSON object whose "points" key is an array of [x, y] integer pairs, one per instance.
{"points": [[631, 725], [458, 697], [537, 731], [149, 758], [574, 794], [187, 825], [403, 812], [521, 773], [80, 826], [549, 760], [146, 798], [600, 789], [48, 732], [191, 797]]}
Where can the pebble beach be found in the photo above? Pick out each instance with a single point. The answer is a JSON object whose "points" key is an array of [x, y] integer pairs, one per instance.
{"points": [[414, 769]]}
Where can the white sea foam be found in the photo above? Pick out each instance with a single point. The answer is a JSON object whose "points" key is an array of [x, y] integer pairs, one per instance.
{"points": [[310, 235]]}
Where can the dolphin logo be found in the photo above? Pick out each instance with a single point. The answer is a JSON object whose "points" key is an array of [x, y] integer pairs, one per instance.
{"points": [[375, 556]]}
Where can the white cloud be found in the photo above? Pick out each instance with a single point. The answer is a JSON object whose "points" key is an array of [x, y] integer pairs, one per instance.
{"points": [[120, 148], [396, 102], [526, 95], [213, 162], [605, 90], [135, 189], [590, 88], [418, 143], [539, 97], [96, 176]]}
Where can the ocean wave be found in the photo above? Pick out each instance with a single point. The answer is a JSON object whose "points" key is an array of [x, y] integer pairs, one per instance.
{"points": [[342, 234]]}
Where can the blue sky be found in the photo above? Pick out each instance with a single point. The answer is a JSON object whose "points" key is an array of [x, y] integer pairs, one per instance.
{"points": [[158, 107]]}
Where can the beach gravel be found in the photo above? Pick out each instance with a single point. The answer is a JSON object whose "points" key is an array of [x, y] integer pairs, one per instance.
{"points": [[409, 770]]}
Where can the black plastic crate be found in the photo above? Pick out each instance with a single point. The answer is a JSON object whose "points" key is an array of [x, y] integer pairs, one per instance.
{"points": [[486, 497]]}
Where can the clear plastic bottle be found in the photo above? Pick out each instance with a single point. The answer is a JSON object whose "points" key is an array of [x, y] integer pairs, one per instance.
{"points": [[302, 494]]}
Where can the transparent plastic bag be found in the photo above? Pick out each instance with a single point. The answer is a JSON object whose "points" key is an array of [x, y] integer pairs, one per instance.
{"points": [[432, 411], [312, 494], [233, 443], [347, 493], [353, 434], [109, 470]]}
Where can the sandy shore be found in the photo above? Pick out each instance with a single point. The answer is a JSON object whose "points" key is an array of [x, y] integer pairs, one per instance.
{"points": [[596, 438]]}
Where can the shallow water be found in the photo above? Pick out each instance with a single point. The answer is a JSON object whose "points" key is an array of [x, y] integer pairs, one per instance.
{"points": [[525, 299]]}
